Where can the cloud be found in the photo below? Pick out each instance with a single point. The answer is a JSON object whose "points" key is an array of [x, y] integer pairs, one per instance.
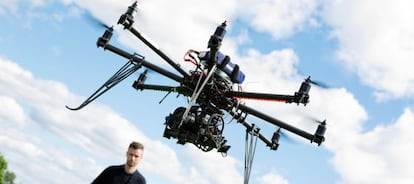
{"points": [[379, 155], [31, 147], [376, 41], [382, 155], [9, 6], [13, 113], [280, 19], [271, 178], [219, 169]]}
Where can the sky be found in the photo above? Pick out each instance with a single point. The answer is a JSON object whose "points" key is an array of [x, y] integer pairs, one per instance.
{"points": [[361, 49]]}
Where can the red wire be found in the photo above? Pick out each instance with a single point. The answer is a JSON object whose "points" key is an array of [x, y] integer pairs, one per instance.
{"points": [[188, 54]]}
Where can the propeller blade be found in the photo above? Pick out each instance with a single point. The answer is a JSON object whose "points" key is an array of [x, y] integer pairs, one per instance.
{"points": [[95, 21], [314, 120], [282, 135], [286, 137], [319, 84], [314, 82]]}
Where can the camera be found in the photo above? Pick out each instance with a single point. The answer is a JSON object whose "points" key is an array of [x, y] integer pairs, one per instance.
{"points": [[199, 126]]}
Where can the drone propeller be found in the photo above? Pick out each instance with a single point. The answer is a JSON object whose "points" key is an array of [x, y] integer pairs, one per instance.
{"points": [[95, 21], [315, 120], [279, 134], [287, 138], [318, 83]]}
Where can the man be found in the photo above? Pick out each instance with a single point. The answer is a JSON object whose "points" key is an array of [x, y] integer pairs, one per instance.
{"points": [[126, 173]]}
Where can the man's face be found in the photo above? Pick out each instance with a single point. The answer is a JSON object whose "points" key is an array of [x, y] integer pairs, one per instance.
{"points": [[133, 157]]}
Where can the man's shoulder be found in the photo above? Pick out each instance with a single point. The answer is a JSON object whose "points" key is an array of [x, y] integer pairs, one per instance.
{"points": [[114, 167], [108, 174]]}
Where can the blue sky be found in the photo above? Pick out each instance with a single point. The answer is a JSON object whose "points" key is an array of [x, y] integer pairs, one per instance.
{"points": [[362, 49]]}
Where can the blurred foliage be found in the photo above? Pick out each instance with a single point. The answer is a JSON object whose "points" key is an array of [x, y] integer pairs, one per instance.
{"points": [[6, 176]]}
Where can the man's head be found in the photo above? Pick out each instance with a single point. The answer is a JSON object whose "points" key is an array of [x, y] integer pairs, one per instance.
{"points": [[134, 154]]}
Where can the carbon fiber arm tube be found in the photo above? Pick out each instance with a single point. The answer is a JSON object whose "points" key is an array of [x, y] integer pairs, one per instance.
{"points": [[145, 63]]}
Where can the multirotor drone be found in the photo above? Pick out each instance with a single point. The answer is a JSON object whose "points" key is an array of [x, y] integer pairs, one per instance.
{"points": [[209, 88]]}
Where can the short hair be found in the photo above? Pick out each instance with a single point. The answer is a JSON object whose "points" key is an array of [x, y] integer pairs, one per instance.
{"points": [[136, 145]]}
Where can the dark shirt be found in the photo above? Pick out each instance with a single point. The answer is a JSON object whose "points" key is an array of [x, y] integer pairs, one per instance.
{"points": [[117, 175]]}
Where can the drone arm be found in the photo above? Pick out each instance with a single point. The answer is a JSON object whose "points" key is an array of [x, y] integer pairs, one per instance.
{"points": [[180, 89], [260, 96], [127, 20], [277, 122], [145, 63], [138, 86], [299, 97], [159, 52]]}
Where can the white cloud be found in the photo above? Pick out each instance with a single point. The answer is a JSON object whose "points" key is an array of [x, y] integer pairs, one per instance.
{"points": [[271, 178], [218, 169], [383, 155], [376, 41], [380, 155], [280, 19], [13, 114], [343, 113], [280, 63], [38, 3], [243, 37], [8, 5]]}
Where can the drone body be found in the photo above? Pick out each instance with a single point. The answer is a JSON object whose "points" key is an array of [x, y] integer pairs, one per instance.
{"points": [[210, 90]]}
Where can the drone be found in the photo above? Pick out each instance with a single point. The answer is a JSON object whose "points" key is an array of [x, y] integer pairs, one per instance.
{"points": [[209, 86]]}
